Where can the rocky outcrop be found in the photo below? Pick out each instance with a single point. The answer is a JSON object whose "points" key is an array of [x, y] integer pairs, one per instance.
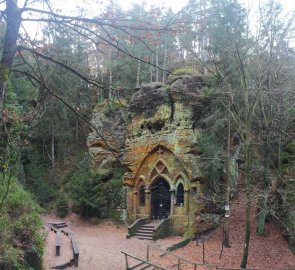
{"points": [[164, 115], [157, 114], [148, 99], [108, 118], [156, 136]]}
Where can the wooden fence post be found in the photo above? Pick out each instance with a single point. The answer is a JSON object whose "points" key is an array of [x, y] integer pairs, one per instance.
{"points": [[126, 261], [57, 243]]}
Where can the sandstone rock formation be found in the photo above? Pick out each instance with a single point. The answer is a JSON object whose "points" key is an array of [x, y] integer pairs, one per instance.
{"points": [[156, 137], [108, 117]]}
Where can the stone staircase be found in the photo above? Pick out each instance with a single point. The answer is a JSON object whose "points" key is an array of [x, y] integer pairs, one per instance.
{"points": [[146, 231]]}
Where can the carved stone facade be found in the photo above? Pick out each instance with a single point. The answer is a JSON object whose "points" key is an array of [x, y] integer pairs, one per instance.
{"points": [[162, 164], [164, 176]]}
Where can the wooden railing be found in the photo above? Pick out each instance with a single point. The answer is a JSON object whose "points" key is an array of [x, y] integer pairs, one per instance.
{"points": [[128, 267], [179, 259], [196, 264]]}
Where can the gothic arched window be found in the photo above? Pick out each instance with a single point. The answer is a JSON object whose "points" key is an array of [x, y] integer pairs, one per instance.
{"points": [[141, 195], [180, 195]]}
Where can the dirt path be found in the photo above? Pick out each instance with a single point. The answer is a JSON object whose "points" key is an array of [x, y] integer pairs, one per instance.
{"points": [[100, 245]]}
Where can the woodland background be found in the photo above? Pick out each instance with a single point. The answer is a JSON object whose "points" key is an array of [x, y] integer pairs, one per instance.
{"points": [[50, 82]]}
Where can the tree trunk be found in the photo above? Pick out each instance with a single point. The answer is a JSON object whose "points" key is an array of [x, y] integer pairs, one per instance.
{"points": [[52, 152], [248, 204], [157, 64], [164, 62], [247, 236], [110, 86], [138, 74], [77, 130], [266, 183], [151, 69], [13, 20], [227, 189], [279, 153]]}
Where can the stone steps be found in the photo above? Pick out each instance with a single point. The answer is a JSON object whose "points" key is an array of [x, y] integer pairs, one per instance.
{"points": [[146, 231], [143, 237]]}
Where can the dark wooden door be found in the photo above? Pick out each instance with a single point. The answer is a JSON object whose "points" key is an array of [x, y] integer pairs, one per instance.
{"points": [[160, 199]]}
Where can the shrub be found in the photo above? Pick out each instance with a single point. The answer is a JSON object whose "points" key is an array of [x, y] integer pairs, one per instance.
{"points": [[94, 221], [94, 192], [39, 181], [62, 206], [20, 230]]}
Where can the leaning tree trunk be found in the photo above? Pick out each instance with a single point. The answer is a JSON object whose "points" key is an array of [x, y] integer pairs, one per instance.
{"points": [[13, 20]]}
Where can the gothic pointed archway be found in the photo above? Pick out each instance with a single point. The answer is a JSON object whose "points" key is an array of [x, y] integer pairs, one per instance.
{"points": [[160, 199]]}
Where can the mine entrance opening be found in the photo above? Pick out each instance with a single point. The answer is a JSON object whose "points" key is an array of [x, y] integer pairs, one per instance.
{"points": [[160, 199]]}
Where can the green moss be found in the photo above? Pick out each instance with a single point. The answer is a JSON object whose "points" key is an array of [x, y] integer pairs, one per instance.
{"points": [[184, 71], [189, 232], [180, 244], [5, 71]]}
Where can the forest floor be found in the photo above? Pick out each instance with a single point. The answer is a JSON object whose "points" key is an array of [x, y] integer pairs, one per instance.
{"points": [[270, 252], [101, 245]]}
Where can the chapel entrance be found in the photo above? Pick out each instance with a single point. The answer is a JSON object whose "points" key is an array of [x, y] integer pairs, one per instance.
{"points": [[160, 199]]}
